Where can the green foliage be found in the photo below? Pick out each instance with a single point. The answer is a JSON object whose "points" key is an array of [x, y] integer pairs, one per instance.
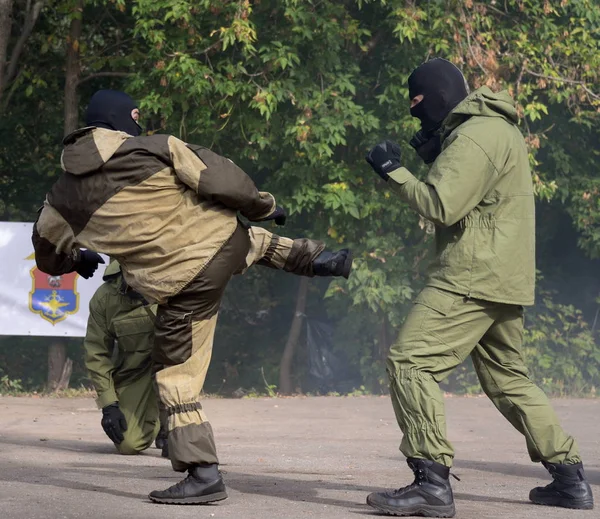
{"points": [[10, 386], [560, 350], [295, 93], [271, 389]]}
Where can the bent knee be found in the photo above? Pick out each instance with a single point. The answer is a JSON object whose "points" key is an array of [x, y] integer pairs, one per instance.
{"points": [[129, 446]]}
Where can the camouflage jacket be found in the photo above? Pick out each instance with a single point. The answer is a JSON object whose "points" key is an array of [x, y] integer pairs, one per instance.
{"points": [[162, 208]]}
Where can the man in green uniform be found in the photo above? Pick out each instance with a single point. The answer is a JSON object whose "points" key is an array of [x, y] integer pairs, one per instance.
{"points": [[118, 346], [479, 195]]}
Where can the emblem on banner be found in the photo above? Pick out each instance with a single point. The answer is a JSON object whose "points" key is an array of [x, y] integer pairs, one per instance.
{"points": [[54, 298]]}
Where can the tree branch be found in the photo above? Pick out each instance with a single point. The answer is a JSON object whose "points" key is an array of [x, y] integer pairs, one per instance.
{"points": [[73, 69], [582, 84], [10, 92], [6, 7], [520, 78], [104, 74], [30, 20], [253, 75], [473, 54], [209, 48]]}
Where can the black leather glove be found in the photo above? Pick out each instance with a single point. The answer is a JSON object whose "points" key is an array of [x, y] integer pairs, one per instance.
{"points": [[113, 422], [279, 216], [385, 158], [88, 263]]}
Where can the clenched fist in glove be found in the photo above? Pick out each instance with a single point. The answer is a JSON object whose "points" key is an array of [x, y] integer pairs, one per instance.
{"points": [[88, 263], [278, 215], [385, 158], [113, 422]]}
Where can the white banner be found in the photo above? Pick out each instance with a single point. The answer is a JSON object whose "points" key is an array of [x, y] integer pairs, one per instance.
{"points": [[34, 303]]}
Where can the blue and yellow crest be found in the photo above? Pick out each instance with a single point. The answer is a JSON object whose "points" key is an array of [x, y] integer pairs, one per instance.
{"points": [[53, 297]]}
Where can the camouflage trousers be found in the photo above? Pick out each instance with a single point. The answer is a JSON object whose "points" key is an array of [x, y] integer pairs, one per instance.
{"points": [[185, 328], [439, 333]]}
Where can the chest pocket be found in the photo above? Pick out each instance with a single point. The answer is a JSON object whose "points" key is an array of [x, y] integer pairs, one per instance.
{"points": [[135, 331]]}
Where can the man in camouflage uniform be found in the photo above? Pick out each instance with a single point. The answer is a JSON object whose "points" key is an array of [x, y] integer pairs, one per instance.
{"points": [[118, 346], [479, 195], [168, 212]]}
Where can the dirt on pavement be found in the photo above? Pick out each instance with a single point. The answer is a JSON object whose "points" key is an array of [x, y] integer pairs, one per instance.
{"points": [[315, 457]]}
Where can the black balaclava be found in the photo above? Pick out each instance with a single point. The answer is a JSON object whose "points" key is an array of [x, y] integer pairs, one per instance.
{"points": [[111, 109], [443, 87]]}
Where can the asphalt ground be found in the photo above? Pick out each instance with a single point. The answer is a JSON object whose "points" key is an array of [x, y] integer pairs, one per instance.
{"points": [[315, 457]]}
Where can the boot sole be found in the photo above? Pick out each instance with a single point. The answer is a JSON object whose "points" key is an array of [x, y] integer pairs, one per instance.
{"points": [[562, 503], [200, 500], [418, 511]]}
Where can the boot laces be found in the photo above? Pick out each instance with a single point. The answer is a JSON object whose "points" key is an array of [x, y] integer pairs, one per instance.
{"points": [[420, 477]]}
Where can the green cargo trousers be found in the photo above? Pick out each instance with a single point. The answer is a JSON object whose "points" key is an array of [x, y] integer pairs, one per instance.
{"points": [[139, 403], [440, 331]]}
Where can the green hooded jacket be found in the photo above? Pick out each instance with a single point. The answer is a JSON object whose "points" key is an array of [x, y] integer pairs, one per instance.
{"points": [[479, 195], [119, 337]]}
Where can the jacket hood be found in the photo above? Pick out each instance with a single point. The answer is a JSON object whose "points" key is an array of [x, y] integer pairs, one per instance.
{"points": [[483, 102], [88, 149]]}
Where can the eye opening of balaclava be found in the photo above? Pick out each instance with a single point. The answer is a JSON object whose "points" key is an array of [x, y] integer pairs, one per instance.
{"points": [[111, 109], [443, 87]]}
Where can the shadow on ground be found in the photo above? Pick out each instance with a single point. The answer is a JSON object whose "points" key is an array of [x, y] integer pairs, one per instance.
{"points": [[534, 471], [295, 486]]}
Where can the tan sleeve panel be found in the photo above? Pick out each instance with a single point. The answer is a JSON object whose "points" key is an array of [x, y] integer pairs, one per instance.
{"points": [[268, 249], [186, 163], [228, 184], [55, 248]]}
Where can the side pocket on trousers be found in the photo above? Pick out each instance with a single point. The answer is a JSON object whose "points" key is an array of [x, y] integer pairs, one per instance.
{"points": [[437, 300]]}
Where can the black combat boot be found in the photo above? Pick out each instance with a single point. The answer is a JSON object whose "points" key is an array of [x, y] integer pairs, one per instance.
{"points": [[430, 495], [204, 484], [333, 263], [569, 489]]}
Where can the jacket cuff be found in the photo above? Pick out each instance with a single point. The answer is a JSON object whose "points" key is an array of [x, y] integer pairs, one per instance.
{"points": [[106, 398], [400, 176], [267, 200]]}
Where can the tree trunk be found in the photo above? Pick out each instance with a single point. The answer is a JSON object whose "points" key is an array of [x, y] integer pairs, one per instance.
{"points": [[285, 367], [73, 70], [57, 358], [30, 19], [6, 7], [59, 366], [65, 376]]}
